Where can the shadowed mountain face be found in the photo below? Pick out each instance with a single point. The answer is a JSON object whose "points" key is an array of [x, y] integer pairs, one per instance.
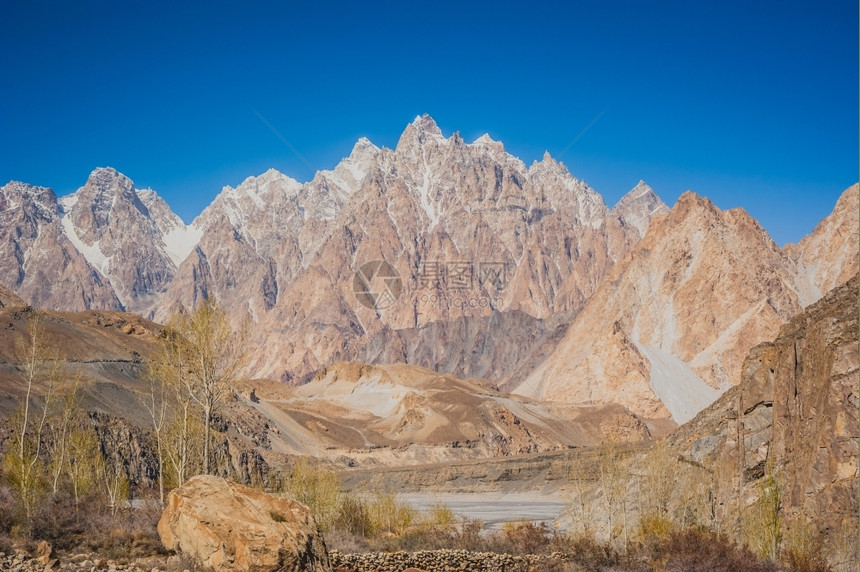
{"points": [[518, 274]]}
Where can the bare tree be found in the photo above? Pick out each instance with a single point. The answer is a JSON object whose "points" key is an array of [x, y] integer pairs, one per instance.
{"points": [[657, 486], [63, 422], [763, 518], [82, 460], [155, 404], [202, 358], [613, 477], [112, 472], [580, 505], [24, 466], [171, 384]]}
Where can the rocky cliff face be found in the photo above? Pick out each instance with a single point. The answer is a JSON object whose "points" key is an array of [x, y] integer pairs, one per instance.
{"points": [[37, 260], [489, 260], [475, 237], [792, 417], [669, 327]]}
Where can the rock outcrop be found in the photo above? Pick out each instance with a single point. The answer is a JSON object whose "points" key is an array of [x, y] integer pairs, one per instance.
{"points": [[226, 526], [792, 418]]}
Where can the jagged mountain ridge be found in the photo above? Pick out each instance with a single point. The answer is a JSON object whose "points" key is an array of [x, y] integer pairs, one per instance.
{"points": [[669, 327], [285, 253]]}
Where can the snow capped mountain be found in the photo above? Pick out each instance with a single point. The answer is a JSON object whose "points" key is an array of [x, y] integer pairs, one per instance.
{"points": [[37, 260], [522, 275], [110, 225]]}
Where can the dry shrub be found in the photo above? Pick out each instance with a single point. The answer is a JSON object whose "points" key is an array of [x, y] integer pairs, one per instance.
{"points": [[654, 526], [467, 535], [92, 526], [528, 537], [61, 523], [388, 515], [805, 561], [8, 509], [354, 518], [695, 550], [802, 550], [593, 555], [318, 488], [439, 514]]}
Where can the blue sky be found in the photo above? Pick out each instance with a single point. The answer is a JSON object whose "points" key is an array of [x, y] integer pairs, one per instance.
{"points": [[752, 104]]}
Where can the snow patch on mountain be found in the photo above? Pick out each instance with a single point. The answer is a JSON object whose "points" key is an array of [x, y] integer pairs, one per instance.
{"points": [[180, 242], [92, 252]]}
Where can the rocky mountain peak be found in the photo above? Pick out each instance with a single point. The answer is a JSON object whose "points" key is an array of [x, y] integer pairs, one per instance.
{"points": [[422, 130], [363, 149], [254, 188], [834, 240], [108, 222], [691, 205], [639, 206], [549, 167], [106, 185], [107, 194], [349, 173], [37, 201]]}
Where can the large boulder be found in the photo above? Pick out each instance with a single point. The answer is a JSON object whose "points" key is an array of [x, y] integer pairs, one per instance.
{"points": [[227, 526]]}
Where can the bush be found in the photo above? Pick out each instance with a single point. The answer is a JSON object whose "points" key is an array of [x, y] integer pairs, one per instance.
{"points": [[319, 488], [528, 537], [8, 509], [439, 514], [694, 550], [390, 516], [592, 555], [354, 518], [276, 516], [654, 527], [804, 561]]}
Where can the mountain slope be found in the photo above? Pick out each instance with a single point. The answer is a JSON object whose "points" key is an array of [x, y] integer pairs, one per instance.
{"points": [[37, 260], [828, 256], [683, 308], [403, 414], [473, 234]]}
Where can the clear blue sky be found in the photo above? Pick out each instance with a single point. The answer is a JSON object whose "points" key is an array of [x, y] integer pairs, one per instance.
{"points": [[752, 104]]}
